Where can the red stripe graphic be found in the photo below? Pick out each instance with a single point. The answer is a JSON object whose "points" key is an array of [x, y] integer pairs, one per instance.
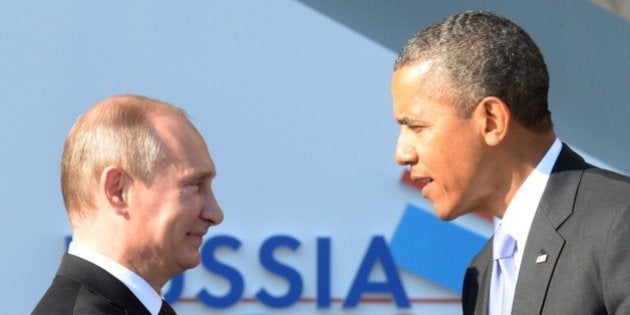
{"points": [[374, 300]]}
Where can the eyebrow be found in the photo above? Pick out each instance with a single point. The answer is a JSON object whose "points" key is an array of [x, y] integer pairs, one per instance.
{"points": [[195, 176], [407, 121]]}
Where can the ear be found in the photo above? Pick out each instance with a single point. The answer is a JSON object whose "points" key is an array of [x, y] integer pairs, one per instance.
{"points": [[495, 117], [113, 184]]}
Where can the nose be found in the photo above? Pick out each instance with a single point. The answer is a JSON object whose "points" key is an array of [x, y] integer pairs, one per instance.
{"points": [[405, 151], [212, 212]]}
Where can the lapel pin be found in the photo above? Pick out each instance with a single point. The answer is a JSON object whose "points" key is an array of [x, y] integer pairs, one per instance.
{"points": [[541, 259]]}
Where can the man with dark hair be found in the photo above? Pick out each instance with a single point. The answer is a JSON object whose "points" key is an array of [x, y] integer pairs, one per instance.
{"points": [[136, 181], [470, 95]]}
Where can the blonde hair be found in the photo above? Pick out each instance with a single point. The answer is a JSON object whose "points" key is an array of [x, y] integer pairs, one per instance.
{"points": [[117, 130]]}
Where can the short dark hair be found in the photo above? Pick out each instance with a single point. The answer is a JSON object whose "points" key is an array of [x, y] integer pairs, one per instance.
{"points": [[483, 54]]}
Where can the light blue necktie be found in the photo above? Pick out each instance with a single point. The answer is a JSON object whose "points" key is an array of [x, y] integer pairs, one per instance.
{"points": [[503, 272]]}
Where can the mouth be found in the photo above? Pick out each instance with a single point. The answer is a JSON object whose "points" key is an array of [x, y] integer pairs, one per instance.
{"points": [[197, 237], [421, 182]]}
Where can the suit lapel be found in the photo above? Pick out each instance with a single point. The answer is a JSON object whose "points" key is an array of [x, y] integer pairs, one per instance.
{"points": [[544, 243], [476, 282], [534, 278], [100, 282], [485, 276]]}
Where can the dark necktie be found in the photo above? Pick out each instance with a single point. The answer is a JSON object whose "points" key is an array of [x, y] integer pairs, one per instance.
{"points": [[166, 309]]}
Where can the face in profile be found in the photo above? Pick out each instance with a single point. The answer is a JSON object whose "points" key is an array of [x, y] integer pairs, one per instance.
{"points": [[442, 149], [173, 210]]}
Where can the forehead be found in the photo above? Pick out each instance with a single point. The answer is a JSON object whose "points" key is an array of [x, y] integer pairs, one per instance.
{"points": [[419, 88], [417, 78], [184, 144], [413, 70]]}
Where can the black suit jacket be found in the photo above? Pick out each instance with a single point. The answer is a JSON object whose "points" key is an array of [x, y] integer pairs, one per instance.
{"points": [[81, 287], [582, 224]]}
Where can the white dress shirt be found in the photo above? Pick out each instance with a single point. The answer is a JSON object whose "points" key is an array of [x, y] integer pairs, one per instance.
{"points": [[138, 286], [519, 214]]}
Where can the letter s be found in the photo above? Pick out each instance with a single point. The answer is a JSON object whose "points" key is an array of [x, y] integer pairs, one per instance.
{"points": [[213, 265]]}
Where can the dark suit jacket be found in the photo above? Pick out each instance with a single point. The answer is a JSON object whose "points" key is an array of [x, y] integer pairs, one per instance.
{"points": [[81, 287], [583, 226]]}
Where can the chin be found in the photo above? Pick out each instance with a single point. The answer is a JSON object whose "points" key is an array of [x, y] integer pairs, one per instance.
{"points": [[446, 214], [194, 262], [190, 262], [446, 217]]}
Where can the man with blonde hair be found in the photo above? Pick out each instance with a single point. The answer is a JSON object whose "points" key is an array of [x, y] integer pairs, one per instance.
{"points": [[136, 181]]}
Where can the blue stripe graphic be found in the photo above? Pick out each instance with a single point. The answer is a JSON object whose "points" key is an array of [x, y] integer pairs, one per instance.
{"points": [[436, 250]]}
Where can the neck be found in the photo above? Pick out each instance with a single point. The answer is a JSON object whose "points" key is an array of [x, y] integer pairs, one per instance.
{"points": [[519, 157], [106, 242]]}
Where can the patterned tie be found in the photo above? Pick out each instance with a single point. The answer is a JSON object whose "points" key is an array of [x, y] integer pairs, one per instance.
{"points": [[166, 309], [503, 273]]}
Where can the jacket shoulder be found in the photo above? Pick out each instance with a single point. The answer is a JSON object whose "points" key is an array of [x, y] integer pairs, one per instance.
{"points": [[66, 296], [605, 186], [59, 298]]}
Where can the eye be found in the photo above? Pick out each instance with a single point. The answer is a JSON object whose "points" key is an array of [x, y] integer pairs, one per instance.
{"points": [[416, 128], [193, 186]]}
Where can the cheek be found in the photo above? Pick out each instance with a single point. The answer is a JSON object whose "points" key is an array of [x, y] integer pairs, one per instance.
{"points": [[454, 162], [189, 208], [172, 213], [434, 153], [192, 203], [465, 167]]}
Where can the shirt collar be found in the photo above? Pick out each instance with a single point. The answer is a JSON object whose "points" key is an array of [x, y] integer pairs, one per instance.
{"points": [[519, 214], [138, 286]]}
